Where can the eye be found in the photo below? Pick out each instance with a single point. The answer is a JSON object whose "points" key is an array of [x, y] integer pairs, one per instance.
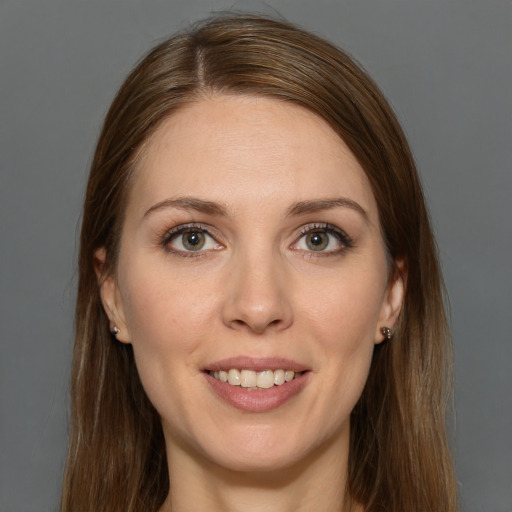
{"points": [[323, 238], [187, 239]]}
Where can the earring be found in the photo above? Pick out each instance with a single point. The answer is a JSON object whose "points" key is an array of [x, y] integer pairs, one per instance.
{"points": [[115, 331], [387, 333]]}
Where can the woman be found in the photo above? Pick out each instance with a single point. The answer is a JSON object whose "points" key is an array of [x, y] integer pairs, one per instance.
{"points": [[260, 319]]}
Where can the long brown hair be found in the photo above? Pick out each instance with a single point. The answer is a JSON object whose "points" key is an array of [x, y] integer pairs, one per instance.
{"points": [[399, 456]]}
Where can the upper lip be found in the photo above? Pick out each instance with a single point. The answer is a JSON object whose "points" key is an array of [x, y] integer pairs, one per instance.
{"points": [[257, 364]]}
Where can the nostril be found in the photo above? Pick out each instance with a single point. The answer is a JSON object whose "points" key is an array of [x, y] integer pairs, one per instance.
{"points": [[257, 325]]}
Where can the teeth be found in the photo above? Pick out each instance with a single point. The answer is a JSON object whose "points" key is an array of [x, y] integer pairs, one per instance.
{"points": [[252, 380], [279, 377], [233, 377], [248, 378], [265, 379]]}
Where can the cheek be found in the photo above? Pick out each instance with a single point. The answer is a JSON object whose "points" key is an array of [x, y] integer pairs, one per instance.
{"points": [[165, 311], [346, 310], [344, 318], [167, 322]]}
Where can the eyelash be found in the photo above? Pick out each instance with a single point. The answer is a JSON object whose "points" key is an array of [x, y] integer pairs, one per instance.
{"points": [[345, 240], [175, 232]]}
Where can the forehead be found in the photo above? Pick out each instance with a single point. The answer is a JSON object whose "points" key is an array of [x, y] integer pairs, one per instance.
{"points": [[240, 149]]}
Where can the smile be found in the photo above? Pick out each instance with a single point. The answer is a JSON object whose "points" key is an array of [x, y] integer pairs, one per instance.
{"points": [[253, 380]]}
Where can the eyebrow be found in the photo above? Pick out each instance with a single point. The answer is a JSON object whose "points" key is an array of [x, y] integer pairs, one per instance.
{"points": [[299, 208], [189, 203], [316, 205]]}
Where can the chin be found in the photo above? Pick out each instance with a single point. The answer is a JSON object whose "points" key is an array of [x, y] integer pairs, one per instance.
{"points": [[258, 462], [267, 449]]}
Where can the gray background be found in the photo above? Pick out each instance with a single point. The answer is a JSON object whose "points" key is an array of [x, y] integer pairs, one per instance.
{"points": [[446, 67]]}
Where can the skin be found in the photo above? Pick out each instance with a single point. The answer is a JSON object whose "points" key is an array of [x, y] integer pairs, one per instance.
{"points": [[256, 289]]}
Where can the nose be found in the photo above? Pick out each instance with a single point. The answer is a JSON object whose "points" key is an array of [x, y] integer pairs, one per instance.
{"points": [[258, 295]]}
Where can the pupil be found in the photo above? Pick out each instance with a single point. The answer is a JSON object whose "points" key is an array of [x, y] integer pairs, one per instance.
{"points": [[316, 239], [193, 239]]}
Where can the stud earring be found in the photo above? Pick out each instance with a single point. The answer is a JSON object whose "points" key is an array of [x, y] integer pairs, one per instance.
{"points": [[387, 333], [115, 331]]}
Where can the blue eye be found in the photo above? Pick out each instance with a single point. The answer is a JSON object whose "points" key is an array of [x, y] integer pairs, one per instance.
{"points": [[189, 239]]}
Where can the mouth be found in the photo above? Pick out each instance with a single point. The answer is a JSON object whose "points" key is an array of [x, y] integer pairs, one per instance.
{"points": [[252, 380], [257, 385]]}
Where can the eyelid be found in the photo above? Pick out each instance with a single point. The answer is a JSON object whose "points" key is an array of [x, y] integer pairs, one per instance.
{"points": [[345, 240], [175, 231], [169, 233]]}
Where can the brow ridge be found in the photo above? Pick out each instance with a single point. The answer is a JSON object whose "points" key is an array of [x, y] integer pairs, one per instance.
{"points": [[315, 205], [299, 208], [189, 203]]}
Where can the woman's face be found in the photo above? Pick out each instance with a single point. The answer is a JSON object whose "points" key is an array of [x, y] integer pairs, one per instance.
{"points": [[251, 251]]}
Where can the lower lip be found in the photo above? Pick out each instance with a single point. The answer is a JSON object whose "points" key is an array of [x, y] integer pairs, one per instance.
{"points": [[257, 400]]}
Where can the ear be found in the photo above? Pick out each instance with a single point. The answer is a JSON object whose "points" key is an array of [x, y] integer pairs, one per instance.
{"points": [[393, 300], [110, 296]]}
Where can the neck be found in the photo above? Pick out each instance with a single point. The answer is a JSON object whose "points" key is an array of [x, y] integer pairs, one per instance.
{"points": [[317, 483]]}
